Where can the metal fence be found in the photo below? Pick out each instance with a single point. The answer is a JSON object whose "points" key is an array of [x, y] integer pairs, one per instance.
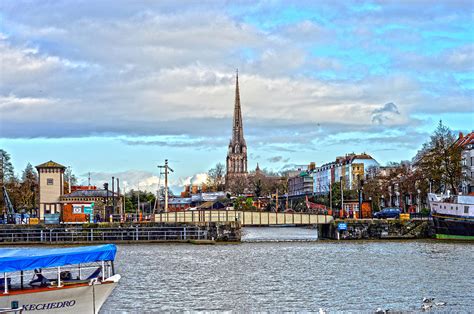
{"points": [[71, 235], [420, 216]]}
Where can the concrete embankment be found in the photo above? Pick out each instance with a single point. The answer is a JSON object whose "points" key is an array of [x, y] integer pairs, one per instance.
{"points": [[203, 233], [376, 229]]}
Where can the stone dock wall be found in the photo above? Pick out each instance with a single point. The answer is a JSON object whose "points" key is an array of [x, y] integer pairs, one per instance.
{"points": [[376, 229], [119, 233]]}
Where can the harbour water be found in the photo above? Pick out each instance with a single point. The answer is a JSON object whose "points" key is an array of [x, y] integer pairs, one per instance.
{"points": [[293, 276]]}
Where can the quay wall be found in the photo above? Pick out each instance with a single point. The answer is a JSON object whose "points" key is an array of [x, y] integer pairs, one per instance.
{"points": [[376, 229], [119, 233]]}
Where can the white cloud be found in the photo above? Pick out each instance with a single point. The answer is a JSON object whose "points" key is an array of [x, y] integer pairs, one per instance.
{"points": [[160, 70]]}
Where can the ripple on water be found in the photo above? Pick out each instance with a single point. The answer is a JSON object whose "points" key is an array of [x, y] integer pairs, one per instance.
{"points": [[301, 276]]}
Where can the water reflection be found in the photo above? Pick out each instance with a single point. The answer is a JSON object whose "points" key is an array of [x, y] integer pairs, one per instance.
{"points": [[300, 276]]}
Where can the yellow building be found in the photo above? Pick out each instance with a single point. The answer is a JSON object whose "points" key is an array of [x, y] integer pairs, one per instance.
{"points": [[357, 174], [51, 187]]}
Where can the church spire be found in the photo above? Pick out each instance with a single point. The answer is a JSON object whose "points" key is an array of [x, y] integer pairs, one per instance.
{"points": [[237, 153], [237, 130]]}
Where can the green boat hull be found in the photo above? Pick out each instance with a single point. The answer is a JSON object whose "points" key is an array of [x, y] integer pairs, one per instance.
{"points": [[454, 237]]}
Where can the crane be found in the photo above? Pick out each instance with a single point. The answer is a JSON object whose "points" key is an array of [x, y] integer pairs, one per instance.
{"points": [[8, 203]]}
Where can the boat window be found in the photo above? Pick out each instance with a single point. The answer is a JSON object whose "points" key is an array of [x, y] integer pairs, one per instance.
{"points": [[466, 209]]}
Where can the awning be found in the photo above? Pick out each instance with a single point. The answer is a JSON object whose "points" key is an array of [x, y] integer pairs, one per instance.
{"points": [[28, 259]]}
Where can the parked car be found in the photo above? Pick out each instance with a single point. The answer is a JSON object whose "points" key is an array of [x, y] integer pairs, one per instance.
{"points": [[388, 212]]}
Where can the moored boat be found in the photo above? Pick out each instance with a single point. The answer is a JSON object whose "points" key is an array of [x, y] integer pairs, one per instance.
{"points": [[453, 216], [64, 280]]}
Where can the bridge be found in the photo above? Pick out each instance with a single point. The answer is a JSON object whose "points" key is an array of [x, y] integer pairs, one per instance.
{"points": [[246, 218]]}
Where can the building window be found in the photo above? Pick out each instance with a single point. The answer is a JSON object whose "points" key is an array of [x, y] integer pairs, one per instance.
{"points": [[49, 181]]}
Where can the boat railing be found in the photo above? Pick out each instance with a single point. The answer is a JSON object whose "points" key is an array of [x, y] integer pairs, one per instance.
{"points": [[55, 276]]}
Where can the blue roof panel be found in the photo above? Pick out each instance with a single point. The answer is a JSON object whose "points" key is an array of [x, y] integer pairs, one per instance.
{"points": [[30, 258]]}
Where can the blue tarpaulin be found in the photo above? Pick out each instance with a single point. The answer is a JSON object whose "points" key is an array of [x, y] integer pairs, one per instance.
{"points": [[31, 258]]}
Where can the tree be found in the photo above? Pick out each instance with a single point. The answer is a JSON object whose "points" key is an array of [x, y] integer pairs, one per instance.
{"points": [[28, 188], [69, 175], [7, 176], [238, 185], [243, 203], [216, 178], [6, 167], [439, 160], [147, 201]]}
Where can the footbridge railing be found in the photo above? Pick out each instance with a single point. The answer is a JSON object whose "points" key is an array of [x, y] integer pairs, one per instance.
{"points": [[246, 218]]}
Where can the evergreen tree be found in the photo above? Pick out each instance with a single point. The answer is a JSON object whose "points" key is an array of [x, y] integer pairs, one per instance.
{"points": [[28, 188], [6, 167], [7, 177]]}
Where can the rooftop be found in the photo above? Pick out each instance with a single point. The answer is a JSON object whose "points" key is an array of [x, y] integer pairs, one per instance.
{"points": [[89, 193], [462, 141], [50, 164]]}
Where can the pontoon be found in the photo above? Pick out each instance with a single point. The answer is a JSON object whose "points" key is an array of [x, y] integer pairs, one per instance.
{"points": [[56, 280]]}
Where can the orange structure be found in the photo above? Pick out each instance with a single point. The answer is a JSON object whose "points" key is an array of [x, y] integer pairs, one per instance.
{"points": [[69, 216]]}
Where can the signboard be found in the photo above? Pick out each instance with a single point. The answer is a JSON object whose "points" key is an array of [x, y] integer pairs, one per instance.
{"points": [[77, 209], [342, 226], [89, 210]]}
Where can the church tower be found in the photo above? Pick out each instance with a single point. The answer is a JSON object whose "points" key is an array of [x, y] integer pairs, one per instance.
{"points": [[237, 152]]}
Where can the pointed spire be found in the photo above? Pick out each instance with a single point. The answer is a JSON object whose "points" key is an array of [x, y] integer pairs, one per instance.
{"points": [[237, 92], [237, 131]]}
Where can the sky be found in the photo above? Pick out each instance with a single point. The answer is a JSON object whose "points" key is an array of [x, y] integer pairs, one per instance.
{"points": [[115, 87]]}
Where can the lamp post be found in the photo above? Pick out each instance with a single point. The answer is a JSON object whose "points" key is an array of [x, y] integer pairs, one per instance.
{"points": [[390, 195], [360, 202], [342, 197], [418, 200], [371, 207], [330, 196]]}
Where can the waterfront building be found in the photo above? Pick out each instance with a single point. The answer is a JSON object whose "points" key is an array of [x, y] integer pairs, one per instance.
{"points": [[177, 204], [51, 187], [301, 182], [236, 163], [467, 160], [262, 184], [351, 169], [91, 201]]}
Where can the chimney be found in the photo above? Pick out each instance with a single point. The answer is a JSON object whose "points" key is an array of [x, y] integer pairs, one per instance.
{"points": [[461, 135]]}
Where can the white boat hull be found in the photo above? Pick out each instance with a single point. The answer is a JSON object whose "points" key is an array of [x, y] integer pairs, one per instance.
{"points": [[67, 299]]}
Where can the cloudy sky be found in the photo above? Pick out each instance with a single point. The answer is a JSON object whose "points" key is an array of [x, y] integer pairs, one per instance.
{"points": [[115, 87]]}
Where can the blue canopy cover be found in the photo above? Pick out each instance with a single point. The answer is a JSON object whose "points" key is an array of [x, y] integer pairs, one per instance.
{"points": [[28, 259]]}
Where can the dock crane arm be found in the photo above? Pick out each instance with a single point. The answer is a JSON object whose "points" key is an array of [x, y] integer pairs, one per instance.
{"points": [[8, 203]]}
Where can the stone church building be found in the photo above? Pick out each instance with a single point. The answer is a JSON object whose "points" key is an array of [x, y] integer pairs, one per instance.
{"points": [[236, 165]]}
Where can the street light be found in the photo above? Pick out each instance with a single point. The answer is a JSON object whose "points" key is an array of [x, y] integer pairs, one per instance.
{"points": [[371, 207], [418, 201]]}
